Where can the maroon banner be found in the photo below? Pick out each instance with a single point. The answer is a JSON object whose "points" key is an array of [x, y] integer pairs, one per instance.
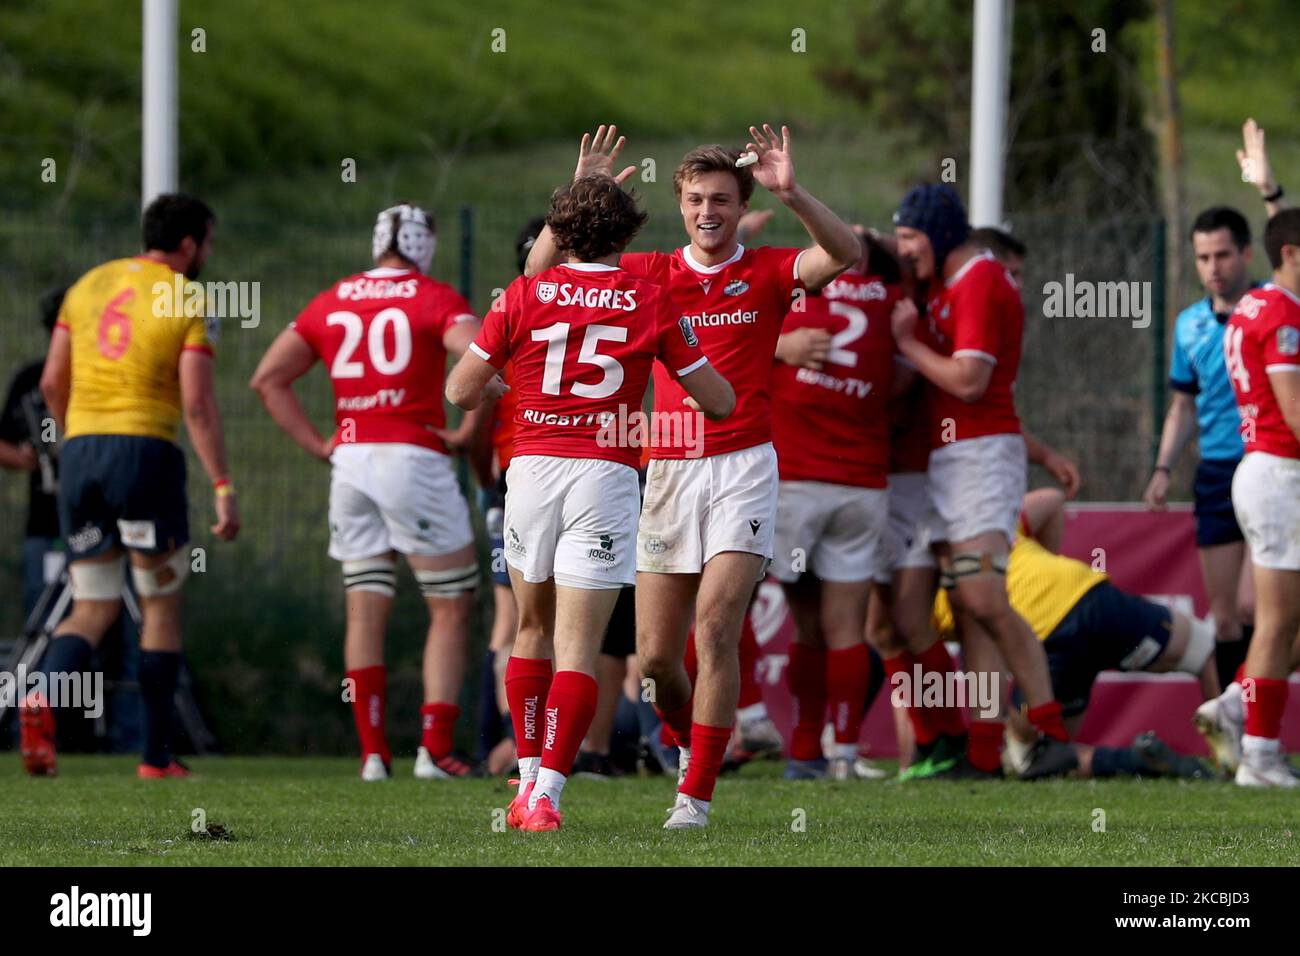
{"points": [[1147, 553]]}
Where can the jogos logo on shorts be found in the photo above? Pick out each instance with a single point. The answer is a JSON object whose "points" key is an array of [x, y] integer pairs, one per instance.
{"points": [[605, 552]]}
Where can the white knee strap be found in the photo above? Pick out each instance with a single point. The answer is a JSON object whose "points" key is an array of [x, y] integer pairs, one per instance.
{"points": [[371, 574], [97, 580], [165, 579], [448, 583], [1200, 645]]}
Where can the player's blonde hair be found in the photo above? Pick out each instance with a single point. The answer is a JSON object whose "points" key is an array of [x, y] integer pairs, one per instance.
{"points": [[713, 159]]}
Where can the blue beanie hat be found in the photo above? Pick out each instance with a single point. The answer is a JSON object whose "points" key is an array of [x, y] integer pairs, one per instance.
{"points": [[936, 210]]}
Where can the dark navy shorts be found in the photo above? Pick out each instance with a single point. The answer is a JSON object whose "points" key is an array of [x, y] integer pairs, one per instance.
{"points": [[492, 502], [122, 491], [620, 636], [1107, 630], [1216, 522]]}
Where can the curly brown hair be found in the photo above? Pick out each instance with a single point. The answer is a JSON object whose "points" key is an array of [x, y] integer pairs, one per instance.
{"points": [[713, 159], [592, 218]]}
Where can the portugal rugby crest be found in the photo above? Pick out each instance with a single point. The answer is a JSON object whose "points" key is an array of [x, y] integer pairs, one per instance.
{"points": [[546, 291]]}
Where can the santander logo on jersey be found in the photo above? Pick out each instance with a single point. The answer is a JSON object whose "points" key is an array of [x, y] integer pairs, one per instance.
{"points": [[708, 319], [567, 293]]}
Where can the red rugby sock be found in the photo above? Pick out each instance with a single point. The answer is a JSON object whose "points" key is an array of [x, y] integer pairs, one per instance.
{"points": [[985, 744], [1264, 712], [368, 704], [709, 745], [848, 672], [528, 681], [806, 678], [1047, 718], [437, 726], [947, 719], [569, 708], [678, 724], [922, 718]]}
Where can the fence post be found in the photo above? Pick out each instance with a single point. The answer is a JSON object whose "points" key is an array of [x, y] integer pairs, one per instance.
{"points": [[1158, 329], [467, 251]]}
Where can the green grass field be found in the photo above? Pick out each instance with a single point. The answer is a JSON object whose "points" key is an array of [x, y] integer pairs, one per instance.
{"points": [[286, 811]]}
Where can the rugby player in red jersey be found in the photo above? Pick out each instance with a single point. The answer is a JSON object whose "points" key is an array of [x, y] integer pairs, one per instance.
{"points": [[831, 432], [1262, 348], [968, 349], [384, 336], [710, 504], [581, 338]]}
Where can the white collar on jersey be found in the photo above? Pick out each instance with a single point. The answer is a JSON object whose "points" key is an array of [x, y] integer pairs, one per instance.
{"points": [[710, 270], [957, 276], [384, 272], [590, 266], [1286, 292]]}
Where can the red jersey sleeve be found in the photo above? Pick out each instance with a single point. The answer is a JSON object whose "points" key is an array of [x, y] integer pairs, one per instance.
{"points": [[976, 316], [1281, 328], [492, 344], [784, 266], [451, 307], [679, 348], [648, 265], [310, 323]]}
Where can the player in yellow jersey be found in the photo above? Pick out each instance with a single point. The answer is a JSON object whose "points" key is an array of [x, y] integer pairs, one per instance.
{"points": [[126, 362], [1088, 625]]}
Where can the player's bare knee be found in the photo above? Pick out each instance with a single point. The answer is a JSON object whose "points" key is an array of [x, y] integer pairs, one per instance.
{"points": [[654, 662]]}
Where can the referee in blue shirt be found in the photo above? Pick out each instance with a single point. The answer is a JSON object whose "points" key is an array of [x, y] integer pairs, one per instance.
{"points": [[1203, 402]]}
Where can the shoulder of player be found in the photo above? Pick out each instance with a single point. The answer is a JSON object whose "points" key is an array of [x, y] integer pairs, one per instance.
{"points": [[769, 257], [1196, 312], [649, 263], [112, 269], [1277, 308], [980, 271]]}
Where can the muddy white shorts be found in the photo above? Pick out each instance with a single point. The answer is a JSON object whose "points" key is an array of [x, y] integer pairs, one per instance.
{"points": [[914, 525], [573, 519], [1266, 498], [389, 496], [838, 532], [978, 484], [696, 508]]}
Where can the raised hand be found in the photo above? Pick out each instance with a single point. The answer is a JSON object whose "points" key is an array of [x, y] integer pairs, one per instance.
{"points": [[1253, 159], [597, 154], [775, 169]]}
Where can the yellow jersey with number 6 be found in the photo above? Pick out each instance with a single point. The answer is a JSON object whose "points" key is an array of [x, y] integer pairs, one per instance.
{"points": [[129, 320]]}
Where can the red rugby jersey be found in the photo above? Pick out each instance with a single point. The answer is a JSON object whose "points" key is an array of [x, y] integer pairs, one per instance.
{"points": [[1263, 336], [978, 313], [735, 309], [379, 334], [832, 425], [581, 339]]}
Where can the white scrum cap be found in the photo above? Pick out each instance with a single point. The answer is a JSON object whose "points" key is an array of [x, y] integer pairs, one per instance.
{"points": [[408, 231]]}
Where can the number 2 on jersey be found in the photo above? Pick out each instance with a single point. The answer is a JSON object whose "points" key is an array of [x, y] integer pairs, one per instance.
{"points": [[839, 352], [345, 367], [556, 338]]}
